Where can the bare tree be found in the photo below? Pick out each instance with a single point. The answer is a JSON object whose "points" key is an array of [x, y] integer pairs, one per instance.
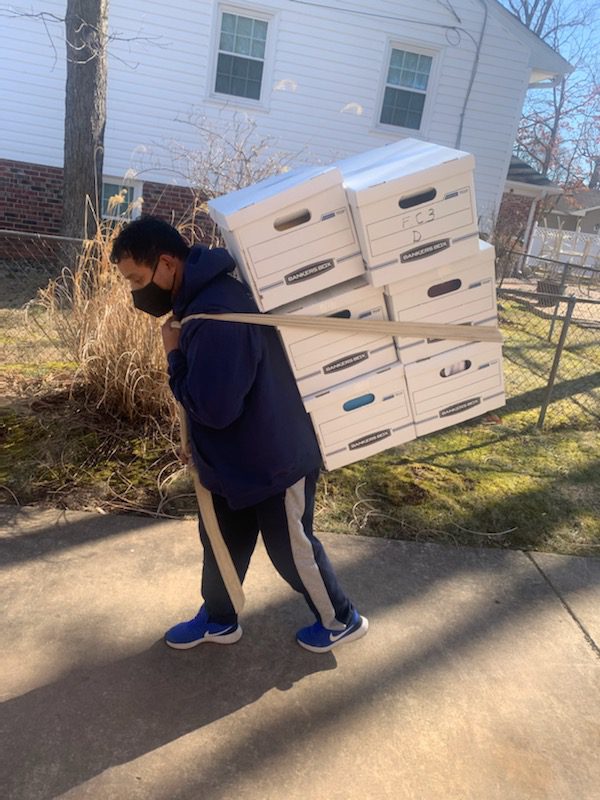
{"points": [[559, 134], [230, 155], [86, 29]]}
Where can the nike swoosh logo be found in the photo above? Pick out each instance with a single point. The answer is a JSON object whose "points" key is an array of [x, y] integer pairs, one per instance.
{"points": [[222, 633], [333, 638]]}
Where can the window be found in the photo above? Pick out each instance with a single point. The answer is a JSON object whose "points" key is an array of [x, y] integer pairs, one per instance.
{"points": [[406, 89], [119, 201], [241, 56]]}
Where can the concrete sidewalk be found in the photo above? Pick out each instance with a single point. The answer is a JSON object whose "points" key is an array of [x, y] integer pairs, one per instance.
{"points": [[479, 678]]}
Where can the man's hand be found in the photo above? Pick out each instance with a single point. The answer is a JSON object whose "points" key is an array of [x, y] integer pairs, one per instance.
{"points": [[170, 336]]}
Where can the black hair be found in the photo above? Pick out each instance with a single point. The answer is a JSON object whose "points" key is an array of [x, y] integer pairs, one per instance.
{"points": [[146, 239]]}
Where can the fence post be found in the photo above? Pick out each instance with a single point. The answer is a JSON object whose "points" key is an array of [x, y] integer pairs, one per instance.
{"points": [[559, 348], [561, 291]]}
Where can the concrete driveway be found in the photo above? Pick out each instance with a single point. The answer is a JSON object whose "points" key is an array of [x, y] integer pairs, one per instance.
{"points": [[479, 678]]}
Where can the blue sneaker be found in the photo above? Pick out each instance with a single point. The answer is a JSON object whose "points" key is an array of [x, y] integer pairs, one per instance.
{"points": [[318, 639], [201, 629]]}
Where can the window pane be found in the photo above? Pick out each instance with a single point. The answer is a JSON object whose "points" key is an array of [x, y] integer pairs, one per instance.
{"points": [[411, 60], [259, 30], [238, 76], [255, 69], [254, 89], [410, 70], [114, 209], [421, 81], [226, 42], [225, 64], [413, 121], [222, 84], [394, 76], [239, 68], [416, 102], [242, 45], [244, 26], [238, 87], [258, 49], [397, 58], [425, 64], [240, 37], [228, 23], [402, 108], [407, 78]]}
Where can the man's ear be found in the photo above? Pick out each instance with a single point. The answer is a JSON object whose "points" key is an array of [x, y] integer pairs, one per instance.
{"points": [[171, 261]]}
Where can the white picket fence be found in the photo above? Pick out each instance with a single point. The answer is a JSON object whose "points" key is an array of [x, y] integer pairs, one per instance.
{"points": [[567, 247]]}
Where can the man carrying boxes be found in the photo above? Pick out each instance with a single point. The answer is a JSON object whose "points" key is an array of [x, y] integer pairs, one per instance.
{"points": [[252, 441], [369, 246]]}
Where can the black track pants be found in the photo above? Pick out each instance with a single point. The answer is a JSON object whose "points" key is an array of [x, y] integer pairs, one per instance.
{"points": [[286, 523]]}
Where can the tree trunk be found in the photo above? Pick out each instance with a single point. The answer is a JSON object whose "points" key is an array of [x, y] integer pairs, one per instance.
{"points": [[86, 25]]}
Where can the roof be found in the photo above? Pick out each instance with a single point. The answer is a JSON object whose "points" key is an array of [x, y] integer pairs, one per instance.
{"points": [[544, 62], [523, 179], [579, 203]]}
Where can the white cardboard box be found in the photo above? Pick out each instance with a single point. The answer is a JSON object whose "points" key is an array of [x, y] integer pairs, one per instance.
{"points": [[441, 396], [321, 359], [413, 205], [359, 418], [291, 235], [460, 293]]}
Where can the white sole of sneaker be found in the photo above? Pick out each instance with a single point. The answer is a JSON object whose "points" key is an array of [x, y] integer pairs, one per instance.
{"points": [[351, 637], [227, 638]]}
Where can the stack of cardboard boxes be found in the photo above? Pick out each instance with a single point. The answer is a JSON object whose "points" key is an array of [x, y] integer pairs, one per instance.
{"points": [[389, 234]]}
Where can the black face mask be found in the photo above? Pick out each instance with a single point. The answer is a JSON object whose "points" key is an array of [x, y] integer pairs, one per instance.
{"points": [[152, 298]]}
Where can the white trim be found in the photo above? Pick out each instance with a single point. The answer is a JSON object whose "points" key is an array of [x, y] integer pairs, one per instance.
{"points": [[420, 49], [530, 189], [254, 11], [304, 557], [127, 183]]}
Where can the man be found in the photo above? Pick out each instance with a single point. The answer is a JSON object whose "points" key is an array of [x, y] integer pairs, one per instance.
{"points": [[252, 441]]}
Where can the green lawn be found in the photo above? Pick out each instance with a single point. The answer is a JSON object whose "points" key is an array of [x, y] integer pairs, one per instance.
{"points": [[493, 481]]}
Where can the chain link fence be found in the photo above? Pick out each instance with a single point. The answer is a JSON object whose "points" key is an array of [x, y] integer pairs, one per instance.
{"points": [[27, 263], [549, 278], [552, 356], [551, 351]]}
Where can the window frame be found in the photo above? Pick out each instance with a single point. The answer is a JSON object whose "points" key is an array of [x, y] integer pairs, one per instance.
{"points": [[422, 50], [263, 13], [128, 183]]}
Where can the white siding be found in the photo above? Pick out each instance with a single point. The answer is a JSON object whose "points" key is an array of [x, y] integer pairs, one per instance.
{"points": [[333, 59]]}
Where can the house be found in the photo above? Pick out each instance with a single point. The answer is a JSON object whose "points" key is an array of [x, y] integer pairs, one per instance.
{"points": [[576, 211], [322, 80], [526, 192]]}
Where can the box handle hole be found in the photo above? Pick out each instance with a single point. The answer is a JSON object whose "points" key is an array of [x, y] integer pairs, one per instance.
{"points": [[345, 314], [444, 288], [417, 199], [292, 220], [358, 402], [454, 369]]}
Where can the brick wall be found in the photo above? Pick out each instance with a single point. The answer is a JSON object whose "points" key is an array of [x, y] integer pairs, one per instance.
{"points": [[31, 198], [513, 214], [172, 203]]}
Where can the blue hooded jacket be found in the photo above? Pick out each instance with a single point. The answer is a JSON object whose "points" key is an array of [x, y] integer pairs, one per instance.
{"points": [[250, 434]]}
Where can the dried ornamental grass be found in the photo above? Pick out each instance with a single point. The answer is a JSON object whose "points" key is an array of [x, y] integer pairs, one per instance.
{"points": [[118, 351]]}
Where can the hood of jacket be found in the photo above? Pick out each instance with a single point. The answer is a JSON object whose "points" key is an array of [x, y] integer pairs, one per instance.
{"points": [[201, 267]]}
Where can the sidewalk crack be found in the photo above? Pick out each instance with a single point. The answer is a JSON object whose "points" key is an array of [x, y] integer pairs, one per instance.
{"points": [[586, 635]]}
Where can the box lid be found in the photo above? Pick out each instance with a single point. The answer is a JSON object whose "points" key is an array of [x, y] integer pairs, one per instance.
{"points": [[272, 195], [367, 175]]}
